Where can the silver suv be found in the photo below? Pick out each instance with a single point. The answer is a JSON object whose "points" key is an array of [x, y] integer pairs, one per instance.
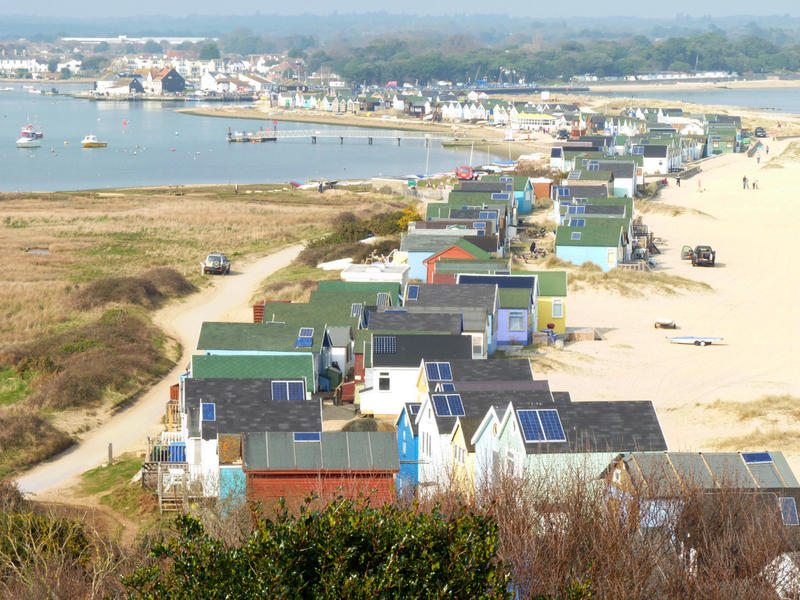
{"points": [[217, 264]]}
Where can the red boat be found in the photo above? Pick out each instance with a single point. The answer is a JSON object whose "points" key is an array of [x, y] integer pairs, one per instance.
{"points": [[464, 172]]}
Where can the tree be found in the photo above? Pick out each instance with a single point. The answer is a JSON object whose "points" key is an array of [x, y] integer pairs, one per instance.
{"points": [[102, 47], [52, 65], [346, 549], [152, 47], [209, 51], [65, 73]]}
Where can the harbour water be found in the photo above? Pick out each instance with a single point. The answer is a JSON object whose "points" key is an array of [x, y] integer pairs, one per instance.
{"points": [[151, 144], [782, 100]]}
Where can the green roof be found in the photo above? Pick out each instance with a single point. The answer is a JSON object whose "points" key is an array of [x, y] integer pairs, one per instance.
{"points": [[260, 337], [603, 233], [475, 198], [472, 249], [325, 300], [335, 314], [467, 265], [519, 182], [551, 283], [514, 298], [587, 175], [286, 366], [359, 286]]}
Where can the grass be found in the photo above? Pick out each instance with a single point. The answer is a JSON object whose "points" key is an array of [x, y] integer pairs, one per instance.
{"points": [[761, 439], [773, 410], [790, 154], [113, 488], [293, 283], [671, 210], [12, 387], [783, 405]]}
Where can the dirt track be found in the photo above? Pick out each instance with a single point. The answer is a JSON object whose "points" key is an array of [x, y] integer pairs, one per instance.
{"points": [[227, 299]]}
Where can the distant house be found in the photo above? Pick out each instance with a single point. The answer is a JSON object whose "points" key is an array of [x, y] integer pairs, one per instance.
{"points": [[656, 160], [408, 448], [460, 249], [551, 303], [377, 272], [517, 311], [296, 464], [603, 242], [124, 87], [392, 378], [287, 366], [166, 81]]}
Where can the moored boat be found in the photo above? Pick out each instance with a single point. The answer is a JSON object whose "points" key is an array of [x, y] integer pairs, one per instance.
{"points": [[91, 141], [29, 131], [28, 142]]}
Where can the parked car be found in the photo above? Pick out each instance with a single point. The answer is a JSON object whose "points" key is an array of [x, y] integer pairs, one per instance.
{"points": [[760, 132], [216, 263], [562, 134], [703, 256], [686, 253]]}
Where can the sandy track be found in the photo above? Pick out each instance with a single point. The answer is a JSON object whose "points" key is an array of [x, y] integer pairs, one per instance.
{"points": [[753, 305], [227, 299]]}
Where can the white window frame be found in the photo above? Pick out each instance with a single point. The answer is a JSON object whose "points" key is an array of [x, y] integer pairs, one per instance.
{"points": [[557, 314], [516, 314]]}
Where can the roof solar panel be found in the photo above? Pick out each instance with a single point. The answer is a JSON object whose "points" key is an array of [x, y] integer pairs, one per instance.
{"points": [[355, 309], [297, 391], [384, 344], [304, 342], [432, 369], [756, 457], [383, 299], [445, 373], [306, 332], [209, 410], [456, 407], [307, 436], [551, 425], [576, 235], [441, 405], [448, 387], [280, 391], [531, 427], [413, 408], [413, 292]]}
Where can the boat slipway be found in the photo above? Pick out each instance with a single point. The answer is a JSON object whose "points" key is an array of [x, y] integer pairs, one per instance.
{"points": [[697, 341]]}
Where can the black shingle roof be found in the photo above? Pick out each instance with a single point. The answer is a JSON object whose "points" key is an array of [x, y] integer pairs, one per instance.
{"points": [[399, 321], [411, 349], [500, 369], [589, 191], [655, 151], [245, 405], [482, 186], [438, 294], [619, 168]]}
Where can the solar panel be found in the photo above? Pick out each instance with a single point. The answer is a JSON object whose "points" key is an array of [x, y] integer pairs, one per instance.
{"points": [[304, 342], [209, 411], [594, 167], [756, 457], [479, 225], [456, 407], [577, 223], [445, 373], [297, 391], [383, 299], [307, 436], [789, 511], [551, 425], [574, 175], [306, 332], [355, 309], [280, 391], [413, 292], [384, 344], [439, 371], [480, 232], [531, 427], [448, 387], [576, 235], [441, 405], [413, 408]]}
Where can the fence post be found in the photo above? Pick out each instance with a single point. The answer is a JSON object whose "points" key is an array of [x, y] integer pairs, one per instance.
{"points": [[110, 453]]}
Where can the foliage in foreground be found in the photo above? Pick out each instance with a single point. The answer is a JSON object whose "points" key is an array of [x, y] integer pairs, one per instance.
{"points": [[346, 549]]}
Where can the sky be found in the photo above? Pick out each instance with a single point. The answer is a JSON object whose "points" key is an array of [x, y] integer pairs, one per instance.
{"points": [[586, 8]]}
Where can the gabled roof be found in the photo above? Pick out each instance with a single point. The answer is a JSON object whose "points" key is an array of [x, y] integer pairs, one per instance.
{"points": [[518, 182], [515, 298], [404, 322], [601, 426], [334, 313], [265, 337], [244, 405], [335, 451], [620, 169], [488, 371], [655, 151], [588, 191], [602, 233], [551, 283], [360, 286], [482, 186], [287, 366], [475, 251], [408, 350], [441, 295], [405, 413]]}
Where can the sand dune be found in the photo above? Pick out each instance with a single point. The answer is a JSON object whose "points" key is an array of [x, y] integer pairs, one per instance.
{"points": [[753, 305]]}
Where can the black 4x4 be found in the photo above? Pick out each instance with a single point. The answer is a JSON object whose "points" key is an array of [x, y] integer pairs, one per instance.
{"points": [[216, 263], [760, 132]]}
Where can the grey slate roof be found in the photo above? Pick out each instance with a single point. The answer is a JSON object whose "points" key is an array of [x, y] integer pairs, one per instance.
{"points": [[245, 405], [474, 319], [594, 209], [430, 243], [482, 186], [588, 191], [411, 349], [398, 321], [604, 427], [665, 473], [620, 169], [340, 336], [336, 451], [655, 151], [477, 404], [465, 296], [495, 369]]}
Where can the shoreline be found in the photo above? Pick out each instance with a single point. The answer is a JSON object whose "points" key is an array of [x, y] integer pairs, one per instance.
{"points": [[734, 84]]}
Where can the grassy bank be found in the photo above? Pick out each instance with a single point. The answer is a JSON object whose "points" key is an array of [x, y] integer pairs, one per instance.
{"points": [[76, 338]]}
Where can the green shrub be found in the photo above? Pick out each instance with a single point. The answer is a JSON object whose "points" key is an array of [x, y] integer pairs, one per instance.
{"points": [[344, 550]]}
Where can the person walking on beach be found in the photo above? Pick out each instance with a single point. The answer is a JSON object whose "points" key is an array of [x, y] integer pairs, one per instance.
{"points": [[758, 159], [755, 184], [767, 150], [744, 182], [678, 181]]}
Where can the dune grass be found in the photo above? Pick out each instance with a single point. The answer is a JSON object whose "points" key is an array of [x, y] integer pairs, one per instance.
{"points": [[782, 405], [771, 411], [761, 439], [662, 208], [790, 154]]}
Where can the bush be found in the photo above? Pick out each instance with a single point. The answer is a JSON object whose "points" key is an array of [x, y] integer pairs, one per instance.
{"points": [[148, 290], [345, 549], [27, 438]]}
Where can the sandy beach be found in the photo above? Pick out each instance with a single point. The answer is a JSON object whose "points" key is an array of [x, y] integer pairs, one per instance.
{"points": [[753, 305], [741, 84]]}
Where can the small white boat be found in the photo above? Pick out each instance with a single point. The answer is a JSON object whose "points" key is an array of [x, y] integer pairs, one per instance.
{"points": [[28, 142], [697, 341], [91, 141], [6, 89]]}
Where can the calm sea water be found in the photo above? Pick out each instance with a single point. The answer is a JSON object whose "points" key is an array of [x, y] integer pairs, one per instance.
{"points": [[150, 144], [784, 100]]}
